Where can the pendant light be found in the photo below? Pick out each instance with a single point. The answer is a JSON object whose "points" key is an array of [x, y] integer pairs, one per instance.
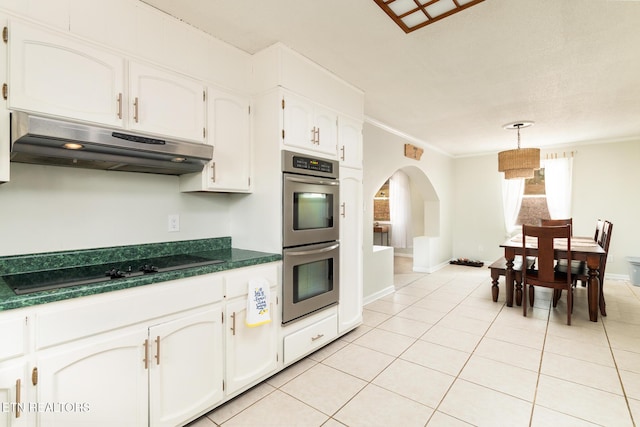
{"points": [[521, 162]]}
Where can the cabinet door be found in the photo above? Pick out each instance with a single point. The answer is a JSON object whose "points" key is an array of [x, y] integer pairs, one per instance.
{"points": [[251, 352], [326, 124], [351, 214], [57, 75], [103, 377], [350, 142], [185, 373], [14, 389], [164, 103], [298, 123], [229, 134]]}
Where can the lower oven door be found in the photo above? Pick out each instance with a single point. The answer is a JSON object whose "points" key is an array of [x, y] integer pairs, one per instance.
{"points": [[310, 279]]}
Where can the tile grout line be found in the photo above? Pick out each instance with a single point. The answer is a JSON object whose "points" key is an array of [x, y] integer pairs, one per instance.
{"points": [[615, 363]]}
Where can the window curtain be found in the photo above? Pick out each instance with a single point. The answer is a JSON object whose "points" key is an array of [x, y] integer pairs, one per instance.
{"points": [[400, 210], [558, 176], [512, 190]]}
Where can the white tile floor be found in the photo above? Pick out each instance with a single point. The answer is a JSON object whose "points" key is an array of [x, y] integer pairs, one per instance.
{"points": [[440, 352]]}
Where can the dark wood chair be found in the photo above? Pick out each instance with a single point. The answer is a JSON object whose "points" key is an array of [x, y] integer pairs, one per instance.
{"points": [[546, 274], [556, 222], [499, 268], [582, 274]]}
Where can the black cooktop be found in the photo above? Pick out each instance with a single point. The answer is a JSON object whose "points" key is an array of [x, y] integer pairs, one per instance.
{"points": [[25, 283]]}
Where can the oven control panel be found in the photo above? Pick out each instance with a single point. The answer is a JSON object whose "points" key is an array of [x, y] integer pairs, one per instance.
{"points": [[298, 163]]}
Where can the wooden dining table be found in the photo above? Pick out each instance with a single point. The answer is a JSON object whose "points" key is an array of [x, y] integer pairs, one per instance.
{"points": [[582, 249]]}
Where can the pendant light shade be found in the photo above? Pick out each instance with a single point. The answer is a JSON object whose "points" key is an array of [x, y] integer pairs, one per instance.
{"points": [[521, 162]]}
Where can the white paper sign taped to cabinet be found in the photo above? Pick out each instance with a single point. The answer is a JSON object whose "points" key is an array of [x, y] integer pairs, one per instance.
{"points": [[258, 303]]}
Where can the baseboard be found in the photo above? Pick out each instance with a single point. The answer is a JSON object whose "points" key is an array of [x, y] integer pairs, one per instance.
{"points": [[381, 293], [431, 269]]}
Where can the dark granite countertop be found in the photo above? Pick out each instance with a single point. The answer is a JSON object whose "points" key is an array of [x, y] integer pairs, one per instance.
{"points": [[214, 249]]}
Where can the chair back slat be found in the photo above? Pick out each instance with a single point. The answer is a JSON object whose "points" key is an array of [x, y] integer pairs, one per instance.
{"points": [[599, 225], [607, 228], [545, 236], [556, 222]]}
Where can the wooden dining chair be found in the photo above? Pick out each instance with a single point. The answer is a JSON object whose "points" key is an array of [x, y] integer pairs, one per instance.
{"points": [[597, 235], [582, 274], [546, 274], [556, 222]]}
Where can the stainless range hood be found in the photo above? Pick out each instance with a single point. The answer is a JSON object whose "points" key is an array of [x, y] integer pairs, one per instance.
{"points": [[47, 141]]}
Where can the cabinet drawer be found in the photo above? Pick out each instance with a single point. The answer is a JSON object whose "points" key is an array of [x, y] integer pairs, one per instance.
{"points": [[236, 282], [82, 317], [310, 338]]}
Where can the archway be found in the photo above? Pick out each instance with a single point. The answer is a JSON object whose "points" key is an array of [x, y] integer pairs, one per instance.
{"points": [[424, 206]]}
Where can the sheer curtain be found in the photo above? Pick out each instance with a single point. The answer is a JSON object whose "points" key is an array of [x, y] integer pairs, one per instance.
{"points": [[512, 190], [557, 176], [400, 210]]}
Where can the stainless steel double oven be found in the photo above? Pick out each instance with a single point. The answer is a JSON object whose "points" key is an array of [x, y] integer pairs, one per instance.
{"points": [[311, 250]]}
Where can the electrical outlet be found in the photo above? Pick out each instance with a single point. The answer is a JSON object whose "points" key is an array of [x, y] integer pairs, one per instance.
{"points": [[173, 223]]}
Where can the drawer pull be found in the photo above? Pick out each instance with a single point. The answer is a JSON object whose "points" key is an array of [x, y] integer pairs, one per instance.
{"points": [[317, 337]]}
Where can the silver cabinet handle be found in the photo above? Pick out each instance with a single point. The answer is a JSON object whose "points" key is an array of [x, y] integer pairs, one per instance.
{"points": [[157, 356], [119, 101], [233, 323], [317, 337], [344, 210], [135, 109]]}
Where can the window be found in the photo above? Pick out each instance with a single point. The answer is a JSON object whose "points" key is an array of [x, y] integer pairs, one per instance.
{"points": [[534, 200], [381, 210]]}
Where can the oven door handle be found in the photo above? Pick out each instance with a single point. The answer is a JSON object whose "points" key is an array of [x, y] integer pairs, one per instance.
{"points": [[315, 251], [311, 180]]}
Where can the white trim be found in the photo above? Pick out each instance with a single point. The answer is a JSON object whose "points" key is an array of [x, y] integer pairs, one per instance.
{"points": [[381, 293]]}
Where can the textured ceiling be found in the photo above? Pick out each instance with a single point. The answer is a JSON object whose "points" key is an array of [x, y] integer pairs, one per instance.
{"points": [[571, 66]]}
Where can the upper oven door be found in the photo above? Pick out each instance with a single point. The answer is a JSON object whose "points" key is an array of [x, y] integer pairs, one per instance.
{"points": [[310, 210]]}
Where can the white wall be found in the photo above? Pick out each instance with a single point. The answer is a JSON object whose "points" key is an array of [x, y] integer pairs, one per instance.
{"points": [[605, 177], [49, 208], [383, 155]]}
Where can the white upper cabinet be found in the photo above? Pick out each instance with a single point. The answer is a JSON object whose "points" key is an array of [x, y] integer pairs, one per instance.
{"points": [[308, 125], [166, 103], [61, 76], [228, 128], [350, 142], [58, 75]]}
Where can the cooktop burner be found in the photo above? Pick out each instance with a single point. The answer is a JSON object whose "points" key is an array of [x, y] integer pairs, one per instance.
{"points": [[25, 283]]}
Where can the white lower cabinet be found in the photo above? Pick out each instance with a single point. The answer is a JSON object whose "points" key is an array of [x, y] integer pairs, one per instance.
{"points": [[99, 382], [14, 362], [185, 367], [14, 390], [251, 352], [159, 355], [159, 375]]}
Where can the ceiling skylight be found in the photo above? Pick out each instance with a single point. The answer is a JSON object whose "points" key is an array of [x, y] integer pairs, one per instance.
{"points": [[413, 14]]}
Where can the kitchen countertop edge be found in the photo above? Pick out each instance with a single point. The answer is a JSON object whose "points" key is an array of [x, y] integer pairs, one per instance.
{"points": [[233, 258]]}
